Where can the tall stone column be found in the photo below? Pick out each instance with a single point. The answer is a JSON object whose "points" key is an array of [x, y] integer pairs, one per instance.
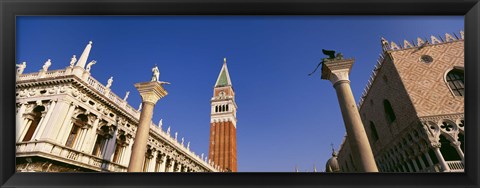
{"points": [[440, 158], [151, 92], [337, 72]]}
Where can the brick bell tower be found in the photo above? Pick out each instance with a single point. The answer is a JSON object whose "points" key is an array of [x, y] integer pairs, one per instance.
{"points": [[223, 123]]}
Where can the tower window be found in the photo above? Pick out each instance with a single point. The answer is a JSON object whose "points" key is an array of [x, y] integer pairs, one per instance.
{"points": [[227, 107], [216, 108], [455, 80], [75, 131], [390, 114]]}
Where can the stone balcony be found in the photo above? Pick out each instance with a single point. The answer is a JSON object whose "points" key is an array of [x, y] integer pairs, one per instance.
{"points": [[67, 155]]}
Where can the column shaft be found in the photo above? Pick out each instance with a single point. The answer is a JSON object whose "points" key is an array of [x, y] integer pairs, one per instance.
{"points": [[441, 160], [141, 138], [357, 137]]}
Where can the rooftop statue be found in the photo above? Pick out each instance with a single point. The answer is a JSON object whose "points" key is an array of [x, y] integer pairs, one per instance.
{"points": [[109, 82], [21, 67], [126, 95], [331, 56], [73, 61], [46, 65], [89, 65]]}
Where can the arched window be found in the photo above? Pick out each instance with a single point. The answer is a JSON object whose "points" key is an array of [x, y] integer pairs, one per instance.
{"points": [[448, 151], [80, 121], [227, 107], [216, 108], [102, 138], [390, 114], [374, 131], [223, 108], [456, 82], [35, 118]]}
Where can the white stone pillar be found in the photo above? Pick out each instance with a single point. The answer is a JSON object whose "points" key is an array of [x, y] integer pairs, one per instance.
{"points": [[153, 161], [61, 134], [128, 152], [441, 160], [28, 122], [78, 145], [171, 165], [179, 167], [163, 162], [20, 120], [91, 137], [43, 122], [56, 119]]}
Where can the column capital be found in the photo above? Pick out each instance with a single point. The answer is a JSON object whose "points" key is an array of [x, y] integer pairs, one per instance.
{"points": [[151, 91], [337, 70]]}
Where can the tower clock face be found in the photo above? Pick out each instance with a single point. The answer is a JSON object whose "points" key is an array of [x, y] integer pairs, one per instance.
{"points": [[221, 94]]}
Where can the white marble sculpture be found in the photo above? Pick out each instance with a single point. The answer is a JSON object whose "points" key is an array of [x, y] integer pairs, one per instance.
{"points": [[126, 95], [109, 82], [73, 61], [160, 123], [47, 64], [89, 65], [21, 67]]}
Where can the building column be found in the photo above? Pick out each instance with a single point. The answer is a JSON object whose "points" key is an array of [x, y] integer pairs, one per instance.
{"points": [[179, 167], [67, 121], [28, 122], [403, 168], [337, 72], [410, 169], [441, 160], [91, 137], [415, 165], [163, 162], [151, 92], [128, 151], [153, 161], [45, 118], [456, 145], [171, 165], [19, 119], [429, 160], [424, 167]]}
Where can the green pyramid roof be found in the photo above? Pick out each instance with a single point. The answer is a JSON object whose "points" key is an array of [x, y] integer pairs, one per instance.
{"points": [[224, 78]]}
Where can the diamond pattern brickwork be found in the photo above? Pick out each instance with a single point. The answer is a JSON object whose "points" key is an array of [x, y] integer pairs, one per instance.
{"points": [[425, 82]]}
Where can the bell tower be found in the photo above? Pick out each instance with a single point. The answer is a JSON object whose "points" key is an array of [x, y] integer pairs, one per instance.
{"points": [[223, 123]]}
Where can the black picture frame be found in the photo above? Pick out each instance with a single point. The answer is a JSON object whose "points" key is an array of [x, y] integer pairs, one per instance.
{"points": [[11, 8]]}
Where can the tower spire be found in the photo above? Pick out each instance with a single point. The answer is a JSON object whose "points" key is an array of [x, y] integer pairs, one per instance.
{"points": [[224, 77], [83, 58]]}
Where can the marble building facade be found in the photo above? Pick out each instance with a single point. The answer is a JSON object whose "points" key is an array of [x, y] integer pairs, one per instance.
{"points": [[67, 121]]}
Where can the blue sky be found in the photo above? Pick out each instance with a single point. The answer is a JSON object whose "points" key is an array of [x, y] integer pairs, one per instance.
{"points": [[285, 118]]}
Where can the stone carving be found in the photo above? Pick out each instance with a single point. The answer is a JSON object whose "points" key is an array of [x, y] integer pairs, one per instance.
{"points": [[47, 64], [126, 95], [21, 67], [89, 65], [182, 141], [109, 82], [73, 61], [188, 145], [156, 74], [168, 130], [139, 107], [176, 134]]}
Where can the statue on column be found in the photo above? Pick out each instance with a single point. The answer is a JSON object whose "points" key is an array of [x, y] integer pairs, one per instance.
{"points": [[331, 56], [176, 134], [139, 107], [47, 64], [73, 61], [202, 156], [109, 82], [168, 130], [188, 145], [89, 65], [126, 95], [21, 67], [156, 74], [183, 140]]}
